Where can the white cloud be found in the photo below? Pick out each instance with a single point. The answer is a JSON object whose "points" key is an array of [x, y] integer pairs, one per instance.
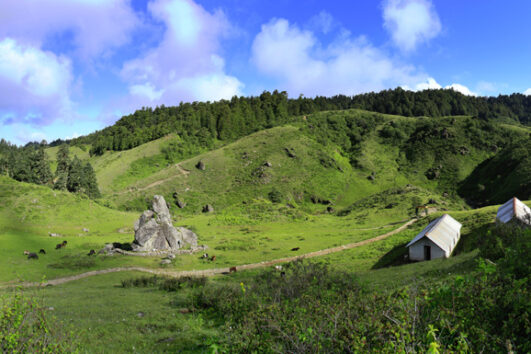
{"points": [[411, 22], [527, 92], [461, 88], [186, 65], [96, 26], [347, 66], [34, 84], [324, 22], [431, 84]]}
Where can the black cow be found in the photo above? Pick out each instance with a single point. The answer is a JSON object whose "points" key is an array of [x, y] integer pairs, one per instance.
{"points": [[91, 253], [33, 256], [42, 251]]}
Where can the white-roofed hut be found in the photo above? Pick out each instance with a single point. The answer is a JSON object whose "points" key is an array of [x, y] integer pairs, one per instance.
{"points": [[437, 240], [514, 209]]}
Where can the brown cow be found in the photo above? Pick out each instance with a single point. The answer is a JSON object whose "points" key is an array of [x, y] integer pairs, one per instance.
{"points": [[26, 253], [232, 269], [213, 258]]}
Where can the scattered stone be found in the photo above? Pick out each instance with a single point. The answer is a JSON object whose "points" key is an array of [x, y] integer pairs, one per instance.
{"points": [[123, 230], [165, 261], [432, 201], [155, 231], [140, 314], [330, 209], [290, 153], [200, 166], [268, 164], [463, 150], [170, 256], [85, 229], [445, 194], [208, 209], [181, 204], [371, 178], [107, 249], [53, 234], [51, 308]]}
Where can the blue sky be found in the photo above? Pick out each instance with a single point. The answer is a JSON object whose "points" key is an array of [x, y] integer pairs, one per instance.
{"points": [[69, 67]]}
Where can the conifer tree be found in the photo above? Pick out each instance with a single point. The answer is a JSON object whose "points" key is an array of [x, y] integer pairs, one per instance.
{"points": [[63, 165], [89, 182], [75, 175]]}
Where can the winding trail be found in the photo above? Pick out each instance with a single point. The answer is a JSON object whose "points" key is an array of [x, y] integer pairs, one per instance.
{"points": [[212, 271], [181, 172]]}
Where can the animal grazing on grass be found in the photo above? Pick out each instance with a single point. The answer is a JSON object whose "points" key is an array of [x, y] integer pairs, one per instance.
{"points": [[213, 258], [91, 253], [32, 255], [282, 274], [26, 253], [61, 245], [205, 256], [42, 251], [295, 248], [278, 267], [232, 269]]}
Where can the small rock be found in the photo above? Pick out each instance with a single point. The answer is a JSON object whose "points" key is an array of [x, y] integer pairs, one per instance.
{"points": [[53, 234], [140, 314], [51, 308], [371, 178], [268, 164], [171, 256], [184, 310], [200, 166], [85, 229], [165, 261], [290, 153]]}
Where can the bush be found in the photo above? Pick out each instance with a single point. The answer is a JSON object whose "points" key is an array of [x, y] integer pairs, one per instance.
{"points": [[26, 327]]}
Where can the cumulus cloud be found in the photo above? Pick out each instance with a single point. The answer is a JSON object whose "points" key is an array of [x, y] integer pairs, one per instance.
{"points": [[186, 64], [527, 92], [95, 26], [411, 22], [431, 84], [34, 84], [348, 65]]}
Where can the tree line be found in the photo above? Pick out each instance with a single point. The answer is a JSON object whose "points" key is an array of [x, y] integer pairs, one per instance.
{"points": [[30, 164], [227, 120]]}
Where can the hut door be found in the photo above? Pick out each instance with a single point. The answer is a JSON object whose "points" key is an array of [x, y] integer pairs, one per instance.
{"points": [[427, 253]]}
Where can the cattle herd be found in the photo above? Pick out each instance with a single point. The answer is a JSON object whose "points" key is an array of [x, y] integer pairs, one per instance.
{"points": [[33, 255]]}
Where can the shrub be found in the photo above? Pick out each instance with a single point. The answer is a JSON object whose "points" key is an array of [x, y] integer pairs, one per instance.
{"points": [[26, 327]]}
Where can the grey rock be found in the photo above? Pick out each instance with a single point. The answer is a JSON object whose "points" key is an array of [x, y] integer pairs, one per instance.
{"points": [[85, 229], [268, 164], [53, 234], [155, 231], [165, 261]]}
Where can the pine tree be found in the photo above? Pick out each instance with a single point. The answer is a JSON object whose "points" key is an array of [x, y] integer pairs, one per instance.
{"points": [[63, 165], [40, 168], [89, 182], [75, 173]]}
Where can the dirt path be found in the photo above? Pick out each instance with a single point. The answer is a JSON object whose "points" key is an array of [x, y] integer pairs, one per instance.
{"points": [[181, 172], [213, 271]]}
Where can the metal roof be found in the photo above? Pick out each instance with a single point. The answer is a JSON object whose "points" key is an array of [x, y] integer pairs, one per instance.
{"points": [[514, 208], [442, 231]]}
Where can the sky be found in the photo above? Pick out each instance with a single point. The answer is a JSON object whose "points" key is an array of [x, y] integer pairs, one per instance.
{"points": [[70, 67]]}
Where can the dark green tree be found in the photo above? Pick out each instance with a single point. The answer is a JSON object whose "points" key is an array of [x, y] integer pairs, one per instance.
{"points": [[63, 165], [89, 182], [74, 182]]}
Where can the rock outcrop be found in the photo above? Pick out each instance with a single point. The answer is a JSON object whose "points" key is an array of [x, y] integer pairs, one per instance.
{"points": [[154, 230]]}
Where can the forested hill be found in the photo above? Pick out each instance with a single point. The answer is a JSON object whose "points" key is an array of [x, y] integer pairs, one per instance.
{"points": [[202, 122]]}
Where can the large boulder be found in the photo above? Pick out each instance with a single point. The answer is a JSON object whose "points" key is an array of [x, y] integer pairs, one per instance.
{"points": [[155, 231]]}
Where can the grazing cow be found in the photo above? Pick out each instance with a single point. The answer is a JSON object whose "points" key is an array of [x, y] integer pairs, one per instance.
{"points": [[295, 248], [64, 243], [91, 253], [282, 274], [232, 269], [278, 267], [213, 258], [42, 251], [205, 256], [33, 256], [58, 246], [26, 253]]}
